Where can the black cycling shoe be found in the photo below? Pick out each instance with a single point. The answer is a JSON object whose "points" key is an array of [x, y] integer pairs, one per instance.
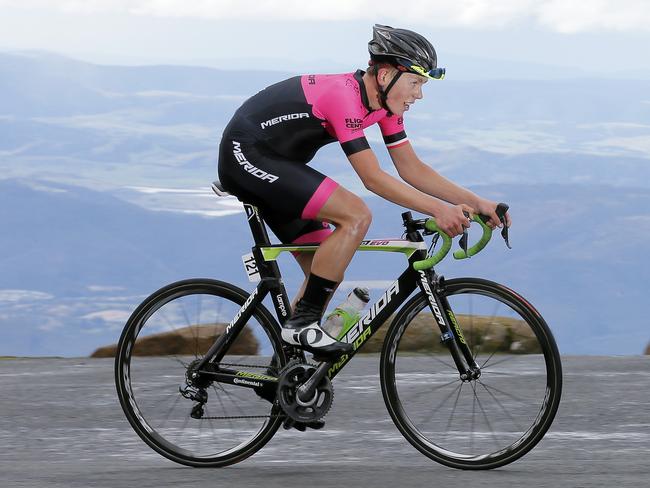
{"points": [[303, 331]]}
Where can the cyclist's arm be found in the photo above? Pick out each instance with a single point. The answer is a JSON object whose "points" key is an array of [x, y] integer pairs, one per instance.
{"points": [[420, 175], [412, 170], [386, 186]]}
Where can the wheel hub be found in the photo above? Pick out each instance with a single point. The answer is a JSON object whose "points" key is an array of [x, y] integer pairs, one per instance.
{"points": [[194, 378]]}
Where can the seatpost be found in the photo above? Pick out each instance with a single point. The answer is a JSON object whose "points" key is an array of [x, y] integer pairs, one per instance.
{"points": [[260, 236]]}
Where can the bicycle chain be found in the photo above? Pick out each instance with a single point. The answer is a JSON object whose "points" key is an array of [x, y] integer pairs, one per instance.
{"points": [[235, 417], [244, 417]]}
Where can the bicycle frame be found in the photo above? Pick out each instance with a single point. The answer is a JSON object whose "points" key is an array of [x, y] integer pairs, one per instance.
{"points": [[395, 295]]}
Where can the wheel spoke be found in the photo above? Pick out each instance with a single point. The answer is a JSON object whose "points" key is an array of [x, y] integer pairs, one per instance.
{"points": [[498, 390], [453, 410], [225, 412], [471, 441], [162, 313], [487, 421], [504, 360], [179, 361], [221, 387], [498, 402], [217, 319], [192, 329], [430, 391], [183, 429], [443, 362], [198, 325], [178, 396], [444, 400], [471, 318]]}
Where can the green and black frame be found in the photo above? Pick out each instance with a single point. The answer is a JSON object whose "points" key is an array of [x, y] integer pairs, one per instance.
{"points": [[469, 370]]}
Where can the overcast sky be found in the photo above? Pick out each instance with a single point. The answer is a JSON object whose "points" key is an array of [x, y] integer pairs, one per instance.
{"points": [[591, 36]]}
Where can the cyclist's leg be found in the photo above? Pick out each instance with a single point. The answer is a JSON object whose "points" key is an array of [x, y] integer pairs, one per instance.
{"points": [[351, 217], [289, 190], [298, 231], [305, 262], [341, 246]]}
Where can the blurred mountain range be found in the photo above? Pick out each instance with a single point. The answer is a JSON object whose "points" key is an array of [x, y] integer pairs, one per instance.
{"points": [[105, 196]]}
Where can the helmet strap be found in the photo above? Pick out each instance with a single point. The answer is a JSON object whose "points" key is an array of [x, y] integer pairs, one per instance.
{"points": [[383, 93]]}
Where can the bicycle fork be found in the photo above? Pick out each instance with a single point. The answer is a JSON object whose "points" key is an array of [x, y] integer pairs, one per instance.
{"points": [[451, 333]]}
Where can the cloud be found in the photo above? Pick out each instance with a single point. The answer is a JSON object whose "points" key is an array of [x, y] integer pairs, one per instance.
{"points": [[636, 146], [15, 296], [571, 16], [566, 16], [498, 139]]}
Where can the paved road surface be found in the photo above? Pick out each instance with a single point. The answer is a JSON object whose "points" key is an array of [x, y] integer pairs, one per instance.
{"points": [[62, 426]]}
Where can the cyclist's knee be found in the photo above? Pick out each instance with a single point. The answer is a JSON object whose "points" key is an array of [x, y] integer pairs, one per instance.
{"points": [[358, 218], [347, 211], [365, 218]]}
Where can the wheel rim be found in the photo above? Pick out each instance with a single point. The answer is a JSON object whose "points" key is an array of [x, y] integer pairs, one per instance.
{"points": [[169, 335], [504, 412]]}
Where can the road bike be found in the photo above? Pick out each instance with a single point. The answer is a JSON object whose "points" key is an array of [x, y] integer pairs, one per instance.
{"points": [[469, 370]]}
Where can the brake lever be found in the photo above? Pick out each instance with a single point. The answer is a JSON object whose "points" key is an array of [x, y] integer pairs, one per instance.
{"points": [[463, 242], [501, 210], [504, 233]]}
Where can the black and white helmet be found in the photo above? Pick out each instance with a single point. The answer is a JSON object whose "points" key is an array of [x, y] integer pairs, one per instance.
{"points": [[405, 49]]}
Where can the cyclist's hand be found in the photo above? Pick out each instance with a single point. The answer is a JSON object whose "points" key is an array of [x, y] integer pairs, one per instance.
{"points": [[488, 207], [452, 220]]}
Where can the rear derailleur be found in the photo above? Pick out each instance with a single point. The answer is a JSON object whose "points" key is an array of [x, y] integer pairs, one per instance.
{"points": [[195, 389]]}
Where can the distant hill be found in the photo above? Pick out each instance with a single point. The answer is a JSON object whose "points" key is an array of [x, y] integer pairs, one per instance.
{"points": [[187, 341], [84, 259], [114, 126], [43, 84]]}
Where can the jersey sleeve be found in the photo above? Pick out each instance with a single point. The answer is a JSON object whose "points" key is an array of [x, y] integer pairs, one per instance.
{"points": [[392, 130], [344, 116]]}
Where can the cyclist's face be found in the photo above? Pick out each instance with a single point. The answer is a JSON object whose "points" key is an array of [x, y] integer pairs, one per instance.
{"points": [[405, 92]]}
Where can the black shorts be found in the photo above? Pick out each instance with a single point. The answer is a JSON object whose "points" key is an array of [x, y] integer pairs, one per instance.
{"points": [[288, 194]]}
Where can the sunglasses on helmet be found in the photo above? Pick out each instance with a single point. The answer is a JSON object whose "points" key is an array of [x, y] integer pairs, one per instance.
{"points": [[435, 73]]}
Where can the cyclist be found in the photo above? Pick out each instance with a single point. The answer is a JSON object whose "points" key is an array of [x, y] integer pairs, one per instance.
{"points": [[265, 149]]}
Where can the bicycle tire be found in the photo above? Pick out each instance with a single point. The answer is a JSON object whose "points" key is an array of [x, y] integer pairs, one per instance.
{"points": [[147, 381], [534, 353]]}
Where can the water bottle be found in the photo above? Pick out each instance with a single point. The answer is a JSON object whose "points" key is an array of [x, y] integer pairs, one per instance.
{"points": [[347, 313]]}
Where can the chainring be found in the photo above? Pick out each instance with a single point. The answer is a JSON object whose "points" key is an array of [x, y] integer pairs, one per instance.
{"points": [[291, 377]]}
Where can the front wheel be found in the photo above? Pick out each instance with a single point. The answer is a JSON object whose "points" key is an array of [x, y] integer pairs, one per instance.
{"points": [[482, 423], [163, 339]]}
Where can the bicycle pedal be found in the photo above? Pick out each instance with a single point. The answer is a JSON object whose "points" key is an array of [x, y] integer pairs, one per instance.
{"points": [[303, 426], [325, 358], [316, 424]]}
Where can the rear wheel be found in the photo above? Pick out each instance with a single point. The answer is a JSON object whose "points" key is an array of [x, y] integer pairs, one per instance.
{"points": [[483, 423], [167, 334]]}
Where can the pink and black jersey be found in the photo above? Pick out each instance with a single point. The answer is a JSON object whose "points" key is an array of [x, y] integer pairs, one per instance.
{"points": [[298, 116], [265, 148]]}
